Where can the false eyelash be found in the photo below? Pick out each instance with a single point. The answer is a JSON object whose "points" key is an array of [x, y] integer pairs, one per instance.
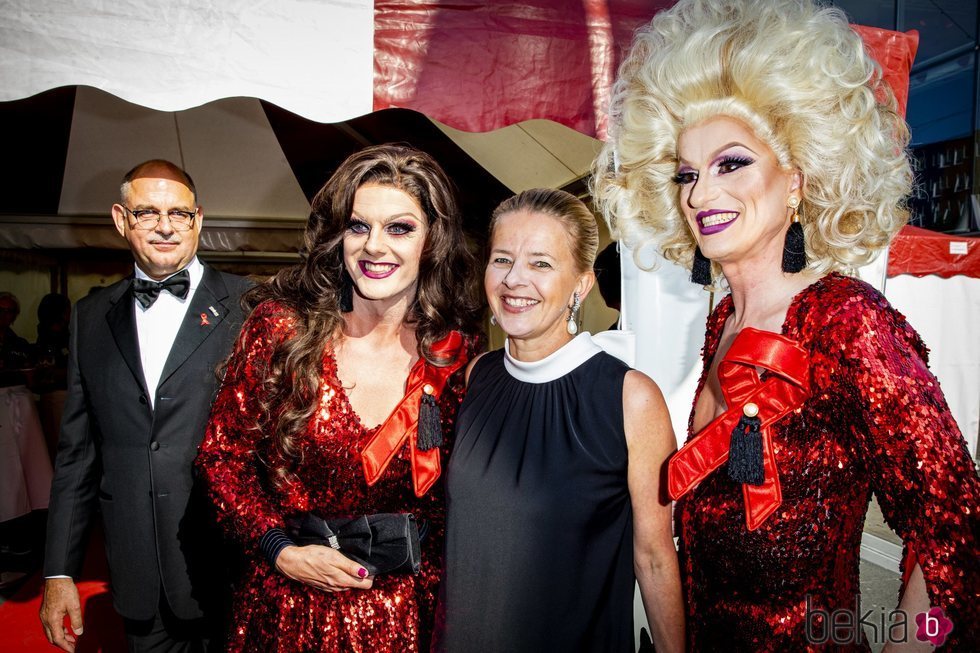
{"points": [[405, 227], [737, 159]]}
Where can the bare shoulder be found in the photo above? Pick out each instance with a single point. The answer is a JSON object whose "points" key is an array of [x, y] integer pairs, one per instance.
{"points": [[472, 364], [645, 415], [640, 392]]}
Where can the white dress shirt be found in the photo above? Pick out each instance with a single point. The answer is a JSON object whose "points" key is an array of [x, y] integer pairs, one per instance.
{"points": [[157, 326]]}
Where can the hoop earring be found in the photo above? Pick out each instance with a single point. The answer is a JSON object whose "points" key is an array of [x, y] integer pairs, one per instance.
{"points": [[346, 293], [572, 324], [794, 249], [493, 320], [701, 268]]}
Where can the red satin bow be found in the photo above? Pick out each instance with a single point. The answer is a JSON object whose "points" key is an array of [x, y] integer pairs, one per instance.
{"points": [[403, 422], [785, 390]]}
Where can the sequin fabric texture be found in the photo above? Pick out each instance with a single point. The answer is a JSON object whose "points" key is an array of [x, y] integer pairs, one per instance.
{"points": [[876, 422], [272, 613]]}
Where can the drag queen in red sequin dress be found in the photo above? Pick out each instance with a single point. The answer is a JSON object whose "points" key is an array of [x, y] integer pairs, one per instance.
{"points": [[756, 143], [319, 407]]}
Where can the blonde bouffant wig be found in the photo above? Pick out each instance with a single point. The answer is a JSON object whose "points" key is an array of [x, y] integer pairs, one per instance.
{"points": [[800, 78]]}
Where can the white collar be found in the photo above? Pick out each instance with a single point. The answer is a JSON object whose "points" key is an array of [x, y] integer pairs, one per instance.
{"points": [[195, 269], [555, 365]]}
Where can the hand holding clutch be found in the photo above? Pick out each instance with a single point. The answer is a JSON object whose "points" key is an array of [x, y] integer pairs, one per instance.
{"points": [[323, 568], [385, 543]]}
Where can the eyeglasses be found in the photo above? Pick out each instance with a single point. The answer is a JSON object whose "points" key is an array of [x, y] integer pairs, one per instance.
{"points": [[150, 218]]}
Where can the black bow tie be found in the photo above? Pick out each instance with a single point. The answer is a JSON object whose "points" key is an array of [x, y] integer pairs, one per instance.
{"points": [[147, 290]]}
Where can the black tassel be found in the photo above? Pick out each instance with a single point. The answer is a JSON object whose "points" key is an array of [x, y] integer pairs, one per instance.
{"points": [[745, 452], [430, 424], [700, 269], [346, 293], [794, 250]]}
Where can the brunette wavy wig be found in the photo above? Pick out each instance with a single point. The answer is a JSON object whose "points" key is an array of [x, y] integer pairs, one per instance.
{"points": [[447, 296]]}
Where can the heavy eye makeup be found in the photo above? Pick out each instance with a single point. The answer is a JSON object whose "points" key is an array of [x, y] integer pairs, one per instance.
{"points": [[394, 228], [685, 175], [725, 164], [400, 228], [733, 162]]}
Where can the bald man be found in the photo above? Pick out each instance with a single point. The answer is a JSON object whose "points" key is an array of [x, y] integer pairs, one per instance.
{"points": [[141, 378]]}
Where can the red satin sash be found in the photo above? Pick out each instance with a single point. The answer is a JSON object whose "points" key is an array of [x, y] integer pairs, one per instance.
{"points": [[785, 390], [403, 422]]}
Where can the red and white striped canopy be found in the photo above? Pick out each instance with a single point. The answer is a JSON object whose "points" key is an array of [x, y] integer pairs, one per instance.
{"points": [[473, 65], [470, 64]]}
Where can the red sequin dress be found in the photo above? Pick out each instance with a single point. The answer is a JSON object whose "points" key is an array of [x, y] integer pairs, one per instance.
{"points": [[272, 613], [875, 422]]}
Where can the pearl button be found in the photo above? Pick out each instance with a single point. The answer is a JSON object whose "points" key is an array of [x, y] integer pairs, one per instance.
{"points": [[750, 410], [428, 389]]}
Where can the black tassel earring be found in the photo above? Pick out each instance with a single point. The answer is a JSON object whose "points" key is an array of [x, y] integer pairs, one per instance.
{"points": [[700, 269], [346, 298], [794, 250]]}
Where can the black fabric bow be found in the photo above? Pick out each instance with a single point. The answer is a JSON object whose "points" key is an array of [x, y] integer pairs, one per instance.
{"points": [[384, 542], [147, 290]]}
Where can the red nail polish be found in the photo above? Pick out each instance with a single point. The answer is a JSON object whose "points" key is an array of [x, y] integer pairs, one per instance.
{"points": [[362, 572]]}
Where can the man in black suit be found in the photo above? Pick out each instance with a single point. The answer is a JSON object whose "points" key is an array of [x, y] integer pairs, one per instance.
{"points": [[141, 379]]}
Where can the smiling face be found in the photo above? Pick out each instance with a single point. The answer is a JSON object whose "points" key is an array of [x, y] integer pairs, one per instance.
{"points": [[531, 278], [383, 244], [733, 192], [160, 250]]}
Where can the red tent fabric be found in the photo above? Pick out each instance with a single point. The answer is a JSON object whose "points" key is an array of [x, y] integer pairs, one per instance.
{"points": [[921, 252], [894, 52], [478, 66]]}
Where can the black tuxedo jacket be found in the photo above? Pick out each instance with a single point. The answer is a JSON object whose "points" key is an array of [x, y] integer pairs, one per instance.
{"points": [[136, 461]]}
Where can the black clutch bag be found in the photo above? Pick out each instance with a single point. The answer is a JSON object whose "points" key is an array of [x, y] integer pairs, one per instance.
{"points": [[385, 542]]}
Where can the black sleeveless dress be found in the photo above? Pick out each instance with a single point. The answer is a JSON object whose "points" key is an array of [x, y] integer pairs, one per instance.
{"points": [[540, 531]]}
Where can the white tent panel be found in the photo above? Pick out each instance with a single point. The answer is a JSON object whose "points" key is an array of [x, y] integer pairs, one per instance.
{"points": [[531, 154], [107, 138], [946, 312], [574, 149], [228, 147], [668, 314], [238, 162], [314, 58]]}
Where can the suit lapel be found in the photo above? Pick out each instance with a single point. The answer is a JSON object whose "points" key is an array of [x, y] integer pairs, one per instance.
{"points": [[200, 321], [121, 317]]}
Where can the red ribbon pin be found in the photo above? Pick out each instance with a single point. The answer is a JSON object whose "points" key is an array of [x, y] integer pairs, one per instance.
{"points": [[785, 390], [402, 424]]}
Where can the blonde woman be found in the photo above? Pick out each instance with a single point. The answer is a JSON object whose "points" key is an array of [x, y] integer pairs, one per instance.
{"points": [[555, 504], [756, 143]]}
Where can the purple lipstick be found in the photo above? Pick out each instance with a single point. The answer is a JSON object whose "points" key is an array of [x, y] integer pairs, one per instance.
{"points": [[715, 220], [373, 270]]}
